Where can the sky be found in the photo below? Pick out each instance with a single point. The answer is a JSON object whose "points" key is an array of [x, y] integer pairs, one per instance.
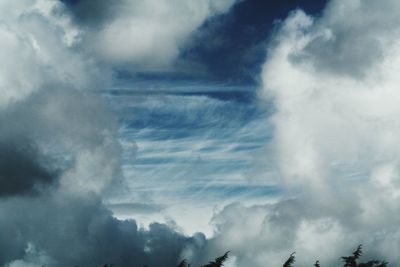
{"points": [[141, 132]]}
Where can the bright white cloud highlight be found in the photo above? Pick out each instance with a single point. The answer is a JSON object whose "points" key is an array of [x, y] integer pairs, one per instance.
{"points": [[37, 53], [142, 34]]}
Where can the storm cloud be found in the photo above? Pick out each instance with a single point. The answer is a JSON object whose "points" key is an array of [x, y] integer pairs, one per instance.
{"points": [[62, 231], [52, 189], [59, 153], [21, 169]]}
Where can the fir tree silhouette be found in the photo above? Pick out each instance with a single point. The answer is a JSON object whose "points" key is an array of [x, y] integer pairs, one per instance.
{"points": [[183, 263], [290, 261], [351, 261], [218, 262]]}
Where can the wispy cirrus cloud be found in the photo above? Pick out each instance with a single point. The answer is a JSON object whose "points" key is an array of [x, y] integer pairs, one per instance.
{"points": [[196, 146]]}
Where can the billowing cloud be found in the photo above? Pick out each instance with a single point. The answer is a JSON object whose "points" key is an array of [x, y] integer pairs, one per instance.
{"points": [[78, 43], [138, 34], [59, 152], [37, 52], [52, 189], [64, 231], [334, 83]]}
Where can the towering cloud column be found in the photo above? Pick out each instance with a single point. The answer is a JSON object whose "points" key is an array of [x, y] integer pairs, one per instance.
{"points": [[334, 82]]}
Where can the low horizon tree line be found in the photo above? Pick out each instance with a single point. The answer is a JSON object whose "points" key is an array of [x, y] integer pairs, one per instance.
{"points": [[348, 261]]}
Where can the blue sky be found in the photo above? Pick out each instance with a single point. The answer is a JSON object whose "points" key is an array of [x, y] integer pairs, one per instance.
{"points": [[191, 142], [194, 135], [145, 132]]}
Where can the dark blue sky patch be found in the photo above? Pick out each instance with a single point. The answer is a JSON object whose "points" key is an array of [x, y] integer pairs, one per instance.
{"points": [[232, 46], [70, 2]]}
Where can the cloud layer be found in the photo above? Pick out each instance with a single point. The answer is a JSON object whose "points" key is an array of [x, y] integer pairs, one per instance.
{"points": [[333, 81]]}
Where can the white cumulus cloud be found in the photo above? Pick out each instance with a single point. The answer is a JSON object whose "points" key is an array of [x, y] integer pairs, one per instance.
{"points": [[334, 82], [139, 34]]}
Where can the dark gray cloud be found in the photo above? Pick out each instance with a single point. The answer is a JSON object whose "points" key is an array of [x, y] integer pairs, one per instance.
{"points": [[68, 231], [22, 168], [66, 222], [93, 13]]}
